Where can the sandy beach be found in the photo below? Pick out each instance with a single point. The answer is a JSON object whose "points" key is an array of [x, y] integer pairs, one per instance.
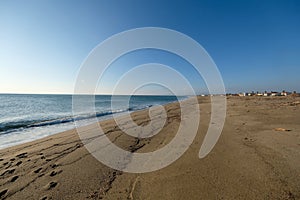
{"points": [[256, 157]]}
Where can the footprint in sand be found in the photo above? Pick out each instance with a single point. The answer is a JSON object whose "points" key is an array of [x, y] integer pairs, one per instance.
{"points": [[22, 155], [51, 185], [9, 164], [37, 170], [54, 166], [54, 172], [14, 178], [3, 192], [246, 139], [44, 198], [19, 163], [10, 171]]}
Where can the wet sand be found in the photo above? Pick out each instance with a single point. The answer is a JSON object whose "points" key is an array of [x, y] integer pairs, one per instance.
{"points": [[256, 157]]}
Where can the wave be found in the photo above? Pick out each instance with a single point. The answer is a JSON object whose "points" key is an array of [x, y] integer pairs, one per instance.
{"points": [[12, 126]]}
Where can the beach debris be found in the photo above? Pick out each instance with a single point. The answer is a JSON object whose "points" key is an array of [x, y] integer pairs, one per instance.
{"points": [[282, 129]]}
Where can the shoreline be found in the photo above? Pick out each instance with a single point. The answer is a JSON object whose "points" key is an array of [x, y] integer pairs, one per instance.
{"points": [[250, 160], [73, 123]]}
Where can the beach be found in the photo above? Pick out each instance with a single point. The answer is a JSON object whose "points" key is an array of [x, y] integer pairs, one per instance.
{"points": [[256, 157]]}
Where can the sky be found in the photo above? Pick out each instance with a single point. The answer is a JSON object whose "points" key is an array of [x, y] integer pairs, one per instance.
{"points": [[255, 44]]}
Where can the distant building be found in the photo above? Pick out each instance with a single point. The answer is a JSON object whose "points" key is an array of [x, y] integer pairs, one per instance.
{"points": [[283, 93], [273, 94], [264, 94]]}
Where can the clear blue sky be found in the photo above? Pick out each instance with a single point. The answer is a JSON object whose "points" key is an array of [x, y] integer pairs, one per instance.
{"points": [[255, 44]]}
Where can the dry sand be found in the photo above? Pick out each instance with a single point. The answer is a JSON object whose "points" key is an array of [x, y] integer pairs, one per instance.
{"points": [[256, 157]]}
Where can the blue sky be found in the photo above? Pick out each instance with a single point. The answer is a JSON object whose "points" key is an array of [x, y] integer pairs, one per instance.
{"points": [[255, 44]]}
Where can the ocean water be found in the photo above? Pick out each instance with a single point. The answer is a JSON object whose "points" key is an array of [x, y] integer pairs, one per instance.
{"points": [[27, 117]]}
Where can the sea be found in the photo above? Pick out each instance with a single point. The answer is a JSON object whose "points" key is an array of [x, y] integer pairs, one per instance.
{"points": [[27, 117]]}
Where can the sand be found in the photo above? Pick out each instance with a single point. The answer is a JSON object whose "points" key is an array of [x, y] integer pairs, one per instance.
{"points": [[256, 157]]}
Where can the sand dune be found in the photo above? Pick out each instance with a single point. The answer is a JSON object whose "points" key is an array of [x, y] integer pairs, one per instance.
{"points": [[253, 159]]}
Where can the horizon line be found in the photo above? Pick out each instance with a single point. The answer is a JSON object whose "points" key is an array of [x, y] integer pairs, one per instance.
{"points": [[90, 94]]}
